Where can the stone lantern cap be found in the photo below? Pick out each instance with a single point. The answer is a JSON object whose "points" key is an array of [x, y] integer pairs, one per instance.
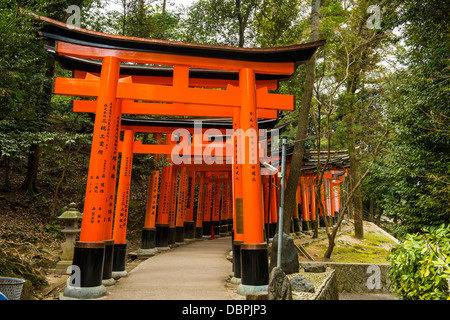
{"points": [[71, 214]]}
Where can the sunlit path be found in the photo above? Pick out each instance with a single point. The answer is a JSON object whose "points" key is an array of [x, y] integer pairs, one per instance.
{"points": [[195, 271]]}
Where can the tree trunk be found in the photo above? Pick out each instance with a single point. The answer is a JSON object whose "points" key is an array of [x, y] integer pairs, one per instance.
{"points": [[371, 206], [299, 148], [241, 23], [29, 184], [354, 177]]}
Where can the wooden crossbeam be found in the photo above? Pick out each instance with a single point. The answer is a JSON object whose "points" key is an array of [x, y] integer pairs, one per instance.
{"points": [[170, 109], [168, 81], [173, 94]]}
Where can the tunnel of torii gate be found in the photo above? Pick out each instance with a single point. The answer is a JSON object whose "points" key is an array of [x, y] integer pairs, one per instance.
{"points": [[116, 76]]}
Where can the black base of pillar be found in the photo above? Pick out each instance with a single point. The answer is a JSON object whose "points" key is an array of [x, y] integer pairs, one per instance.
{"points": [[179, 234], [295, 221], [120, 257], [230, 225], [254, 264], [321, 222], [198, 232], [237, 259], [215, 225], [172, 232], [306, 225], [206, 228], [223, 227], [89, 257], [272, 229], [108, 262], [162, 235], [148, 238], [189, 227]]}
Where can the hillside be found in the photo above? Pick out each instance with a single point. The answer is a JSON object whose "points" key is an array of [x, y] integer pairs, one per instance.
{"points": [[374, 248]]}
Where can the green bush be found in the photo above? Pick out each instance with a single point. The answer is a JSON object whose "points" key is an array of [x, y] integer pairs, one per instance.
{"points": [[420, 265]]}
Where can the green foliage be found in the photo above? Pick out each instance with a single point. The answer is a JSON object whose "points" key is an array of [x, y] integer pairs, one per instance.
{"points": [[411, 179], [420, 266]]}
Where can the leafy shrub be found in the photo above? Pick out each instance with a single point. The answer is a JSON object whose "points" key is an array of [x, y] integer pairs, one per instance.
{"points": [[420, 265]]}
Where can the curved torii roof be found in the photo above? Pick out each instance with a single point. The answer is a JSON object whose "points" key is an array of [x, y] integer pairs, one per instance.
{"points": [[59, 31], [56, 30]]}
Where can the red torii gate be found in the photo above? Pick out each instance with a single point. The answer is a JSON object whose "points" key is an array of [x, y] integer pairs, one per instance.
{"points": [[111, 91]]}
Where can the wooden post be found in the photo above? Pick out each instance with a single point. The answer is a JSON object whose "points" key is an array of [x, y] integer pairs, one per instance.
{"points": [[238, 214], [215, 217], [273, 205], [90, 250], [181, 206], [148, 239], [207, 210], [254, 259], [173, 204], [189, 218], [122, 203], [200, 207], [162, 219]]}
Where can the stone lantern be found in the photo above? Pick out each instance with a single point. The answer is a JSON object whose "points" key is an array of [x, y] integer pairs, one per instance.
{"points": [[71, 218]]}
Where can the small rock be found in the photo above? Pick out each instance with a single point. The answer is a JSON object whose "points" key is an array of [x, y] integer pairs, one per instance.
{"points": [[279, 285], [314, 267], [289, 255], [299, 283]]}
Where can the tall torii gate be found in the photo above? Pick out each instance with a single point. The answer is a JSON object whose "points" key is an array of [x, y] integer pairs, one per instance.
{"points": [[111, 90]]}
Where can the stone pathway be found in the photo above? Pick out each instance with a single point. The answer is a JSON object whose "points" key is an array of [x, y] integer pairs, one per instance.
{"points": [[194, 271]]}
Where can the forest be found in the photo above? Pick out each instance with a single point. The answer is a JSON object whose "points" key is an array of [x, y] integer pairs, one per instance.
{"points": [[378, 88]]}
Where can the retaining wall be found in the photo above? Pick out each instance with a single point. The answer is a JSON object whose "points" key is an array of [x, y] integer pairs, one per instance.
{"points": [[358, 277]]}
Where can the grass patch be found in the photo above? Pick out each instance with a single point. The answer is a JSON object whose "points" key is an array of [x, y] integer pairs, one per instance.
{"points": [[374, 248]]}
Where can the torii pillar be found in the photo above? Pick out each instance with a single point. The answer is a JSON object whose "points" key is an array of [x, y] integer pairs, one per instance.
{"points": [[200, 207], [122, 205], [254, 256], [189, 226], [89, 252]]}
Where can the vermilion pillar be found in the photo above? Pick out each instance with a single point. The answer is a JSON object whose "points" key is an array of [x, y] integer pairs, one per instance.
{"points": [[200, 207], [207, 210], [122, 203], [313, 203], [305, 205], [266, 190], [181, 206], [230, 207], [113, 139], [273, 205], [295, 215], [162, 219], [89, 251], [238, 214], [215, 217], [148, 240], [189, 218], [173, 204], [223, 229], [254, 258]]}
